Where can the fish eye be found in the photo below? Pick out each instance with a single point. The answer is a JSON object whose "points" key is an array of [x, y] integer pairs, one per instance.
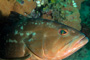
{"points": [[63, 31]]}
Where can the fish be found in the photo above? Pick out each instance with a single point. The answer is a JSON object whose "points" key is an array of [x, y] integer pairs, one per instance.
{"points": [[41, 39]]}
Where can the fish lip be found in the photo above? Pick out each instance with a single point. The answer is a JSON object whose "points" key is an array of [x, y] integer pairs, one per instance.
{"points": [[83, 40], [77, 45]]}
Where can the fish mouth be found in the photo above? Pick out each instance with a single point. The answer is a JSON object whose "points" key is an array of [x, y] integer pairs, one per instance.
{"points": [[77, 45], [81, 42], [74, 46]]}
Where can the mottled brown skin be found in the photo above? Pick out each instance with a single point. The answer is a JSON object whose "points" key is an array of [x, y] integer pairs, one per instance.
{"points": [[43, 40]]}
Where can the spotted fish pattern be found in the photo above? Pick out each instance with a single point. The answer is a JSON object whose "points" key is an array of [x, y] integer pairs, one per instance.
{"points": [[41, 39]]}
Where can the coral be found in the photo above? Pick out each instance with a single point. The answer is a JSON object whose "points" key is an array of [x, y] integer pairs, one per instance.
{"points": [[22, 7], [27, 7], [40, 2], [6, 6], [79, 3], [64, 11], [72, 17], [20, 1], [53, 1], [34, 14], [45, 16]]}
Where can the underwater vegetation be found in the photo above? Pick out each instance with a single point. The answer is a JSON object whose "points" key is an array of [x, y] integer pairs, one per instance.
{"points": [[69, 12]]}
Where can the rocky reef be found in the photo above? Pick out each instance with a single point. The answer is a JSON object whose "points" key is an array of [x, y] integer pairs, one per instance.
{"points": [[20, 6], [64, 11]]}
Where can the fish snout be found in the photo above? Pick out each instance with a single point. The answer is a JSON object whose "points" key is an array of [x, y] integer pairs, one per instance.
{"points": [[73, 46], [76, 44], [82, 39]]}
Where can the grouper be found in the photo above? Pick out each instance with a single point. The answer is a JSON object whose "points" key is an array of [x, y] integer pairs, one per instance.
{"points": [[41, 39]]}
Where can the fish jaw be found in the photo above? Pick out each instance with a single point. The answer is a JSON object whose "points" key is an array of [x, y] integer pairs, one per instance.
{"points": [[72, 47], [68, 49]]}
